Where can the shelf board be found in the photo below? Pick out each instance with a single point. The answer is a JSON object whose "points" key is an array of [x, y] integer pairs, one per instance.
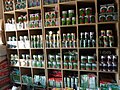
{"points": [[12, 48], [71, 69], [55, 68], [13, 66], [22, 29], [69, 47], [24, 48], [35, 28], [36, 48], [21, 10], [38, 67], [112, 22], [25, 66], [17, 82], [107, 47], [107, 72], [86, 24], [34, 8], [68, 3], [52, 27], [50, 5], [11, 31], [86, 0], [88, 70], [9, 12], [53, 48], [87, 47], [68, 26]]}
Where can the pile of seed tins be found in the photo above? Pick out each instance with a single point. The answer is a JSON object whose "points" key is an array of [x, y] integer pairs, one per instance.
{"points": [[108, 63], [51, 18], [14, 59], [36, 41], [54, 60], [68, 17], [88, 63], [25, 60], [38, 61], [12, 43], [50, 1], [86, 15], [69, 40], [87, 39], [107, 13], [20, 4], [34, 3], [70, 60], [8, 5], [52, 39], [35, 20], [106, 39]]}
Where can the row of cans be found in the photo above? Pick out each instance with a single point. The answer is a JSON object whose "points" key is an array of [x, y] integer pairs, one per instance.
{"points": [[12, 38], [87, 35], [70, 81], [88, 59], [38, 57], [52, 37], [106, 32], [34, 17], [52, 44], [25, 56], [13, 57], [108, 66], [87, 43], [36, 63], [88, 66], [54, 64], [85, 11], [69, 13], [109, 58], [69, 43], [69, 36], [70, 65], [55, 57], [36, 38]]}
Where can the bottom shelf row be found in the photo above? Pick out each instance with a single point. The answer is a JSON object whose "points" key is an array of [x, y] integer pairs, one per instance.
{"points": [[71, 80]]}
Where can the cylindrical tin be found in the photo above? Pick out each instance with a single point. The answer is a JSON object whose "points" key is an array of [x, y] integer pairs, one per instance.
{"points": [[64, 14], [64, 37], [82, 12], [94, 66], [82, 66], [88, 11], [88, 66], [84, 59], [70, 13], [82, 35], [81, 43], [72, 36], [87, 35], [81, 19], [92, 18], [102, 32], [105, 67], [109, 32], [68, 36], [91, 35], [91, 59]]}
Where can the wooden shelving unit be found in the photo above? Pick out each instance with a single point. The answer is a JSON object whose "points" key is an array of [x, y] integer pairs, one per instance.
{"points": [[77, 28]]}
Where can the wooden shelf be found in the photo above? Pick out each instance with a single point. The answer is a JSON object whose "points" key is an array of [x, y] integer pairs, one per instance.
{"points": [[12, 48], [107, 47], [53, 48], [11, 31], [22, 29], [25, 66], [21, 10], [38, 67], [34, 8], [87, 47], [107, 72], [112, 22], [9, 12], [50, 5], [68, 3], [52, 27], [36, 48], [88, 70], [86, 0], [55, 68], [35, 28], [69, 47], [86, 24], [71, 69], [68, 26]]}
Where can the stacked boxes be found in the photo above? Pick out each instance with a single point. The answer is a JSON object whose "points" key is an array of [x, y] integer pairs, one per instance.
{"points": [[107, 13], [86, 15], [38, 61], [68, 17], [69, 40], [36, 41], [106, 39], [35, 20], [53, 39], [51, 18], [87, 39]]}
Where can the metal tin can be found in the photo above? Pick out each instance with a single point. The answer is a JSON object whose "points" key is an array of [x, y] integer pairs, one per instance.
{"points": [[58, 65], [111, 38], [85, 43], [82, 35], [70, 65], [91, 35], [64, 37], [72, 36], [109, 17], [88, 11], [111, 43], [81, 43], [115, 58], [103, 8], [64, 14], [66, 58], [114, 66], [109, 57], [105, 67], [110, 66], [94, 66], [75, 66], [74, 43], [65, 65], [102, 32], [82, 66], [68, 36], [70, 13], [81, 19], [103, 59], [58, 58], [91, 59], [63, 43], [93, 43], [88, 66], [87, 35], [63, 21], [82, 12], [92, 18], [101, 67], [68, 21], [54, 64], [102, 18], [89, 43], [73, 20], [84, 59], [109, 32], [87, 19], [50, 64], [110, 8]]}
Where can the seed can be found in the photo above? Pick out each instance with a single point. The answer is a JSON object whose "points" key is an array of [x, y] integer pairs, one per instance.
{"points": [[109, 32], [68, 82], [103, 8], [64, 37], [93, 43], [101, 67], [63, 43], [110, 66], [86, 35], [72, 36], [111, 43], [87, 19], [70, 13], [115, 58], [82, 12], [73, 20], [81, 19], [109, 17], [85, 43], [89, 43], [64, 14], [84, 59], [73, 43], [88, 11], [68, 21], [83, 66], [70, 65], [63, 21], [105, 66], [88, 66], [102, 32], [94, 66], [102, 18], [91, 59], [75, 66], [114, 66], [68, 36], [111, 38], [81, 43], [92, 18], [82, 35], [91, 35]]}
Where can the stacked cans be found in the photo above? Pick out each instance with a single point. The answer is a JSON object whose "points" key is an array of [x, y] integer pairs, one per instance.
{"points": [[14, 59], [85, 15], [12, 43], [68, 17], [36, 41], [35, 20], [38, 61], [50, 1], [69, 40], [51, 18], [87, 39], [107, 13], [25, 60], [88, 63], [71, 82], [20, 4], [106, 39], [53, 40], [108, 63], [8, 5], [34, 3], [54, 61], [70, 60]]}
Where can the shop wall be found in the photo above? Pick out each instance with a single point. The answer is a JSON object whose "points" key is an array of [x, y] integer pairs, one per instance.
{"points": [[1, 12]]}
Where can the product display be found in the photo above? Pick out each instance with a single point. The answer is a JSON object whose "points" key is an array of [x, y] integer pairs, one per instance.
{"points": [[14, 60], [23, 42], [107, 13], [36, 41], [34, 3], [27, 79], [12, 43], [53, 39], [20, 4], [86, 15], [87, 39], [8, 5], [22, 22], [35, 20], [50, 1], [69, 40], [38, 61], [106, 38], [25, 60], [54, 61], [70, 60], [68, 17]]}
